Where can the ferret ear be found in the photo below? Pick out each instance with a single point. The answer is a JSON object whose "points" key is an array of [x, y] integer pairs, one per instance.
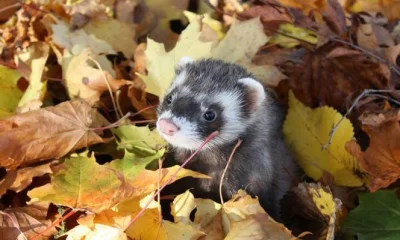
{"points": [[184, 60], [256, 92]]}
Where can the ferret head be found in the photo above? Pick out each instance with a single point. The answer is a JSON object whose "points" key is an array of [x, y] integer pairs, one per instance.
{"points": [[206, 96]]}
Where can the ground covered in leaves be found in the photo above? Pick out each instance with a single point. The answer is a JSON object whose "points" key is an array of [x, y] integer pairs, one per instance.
{"points": [[80, 80]]}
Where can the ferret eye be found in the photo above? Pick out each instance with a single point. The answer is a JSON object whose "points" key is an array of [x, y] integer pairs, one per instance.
{"points": [[210, 116], [169, 99]]}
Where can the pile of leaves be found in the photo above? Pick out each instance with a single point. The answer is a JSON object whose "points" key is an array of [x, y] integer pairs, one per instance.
{"points": [[80, 81]]}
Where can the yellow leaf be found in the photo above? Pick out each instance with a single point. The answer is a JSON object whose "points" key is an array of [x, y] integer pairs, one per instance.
{"points": [[35, 58], [244, 218], [85, 81], [307, 131], [161, 64], [110, 31], [214, 24], [10, 95], [151, 226], [182, 206], [250, 34], [327, 205], [282, 38]]}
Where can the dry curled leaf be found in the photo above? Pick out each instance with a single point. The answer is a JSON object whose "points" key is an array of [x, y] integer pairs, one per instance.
{"points": [[315, 204], [18, 180], [25, 222], [382, 158], [47, 133]]}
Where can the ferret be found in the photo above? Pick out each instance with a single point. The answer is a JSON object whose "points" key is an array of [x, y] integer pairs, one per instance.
{"points": [[210, 95]]}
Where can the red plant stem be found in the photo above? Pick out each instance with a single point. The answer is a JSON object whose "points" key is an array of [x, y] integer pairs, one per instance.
{"points": [[143, 121], [143, 110], [112, 125], [226, 168], [211, 136], [69, 214]]}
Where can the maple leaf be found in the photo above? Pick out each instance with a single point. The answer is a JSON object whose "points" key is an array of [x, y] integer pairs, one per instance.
{"points": [[244, 218], [382, 158], [25, 221], [376, 217], [35, 59], [76, 183], [50, 132], [307, 141], [10, 95], [161, 64], [208, 216]]}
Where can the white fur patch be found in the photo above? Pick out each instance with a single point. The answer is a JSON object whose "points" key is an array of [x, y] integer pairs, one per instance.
{"points": [[230, 102], [255, 86], [185, 60], [187, 137], [179, 80]]}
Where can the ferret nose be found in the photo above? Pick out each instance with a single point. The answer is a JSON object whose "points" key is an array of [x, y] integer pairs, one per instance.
{"points": [[167, 127]]}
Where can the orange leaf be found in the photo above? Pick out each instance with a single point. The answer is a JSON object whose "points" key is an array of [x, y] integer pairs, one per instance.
{"points": [[382, 158]]}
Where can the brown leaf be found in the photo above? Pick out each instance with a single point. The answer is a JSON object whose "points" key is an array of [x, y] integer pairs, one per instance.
{"points": [[18, 180], [25, 222], [332, 23], [382, 158], [332, 77], [48, 133], [310, 207], [5, 15], [270, 15]]}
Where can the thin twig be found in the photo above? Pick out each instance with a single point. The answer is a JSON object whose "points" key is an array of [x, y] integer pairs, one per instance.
{"points": [[363, 94], [108, 86], [391, 66], [112, 125], [211, 136], [226, 168], [143, 110], [69, 214]]}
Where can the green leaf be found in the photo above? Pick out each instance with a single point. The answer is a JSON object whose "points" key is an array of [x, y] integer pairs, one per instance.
{"points": [[82, 183], [9, 92], [139, 140], [377, 217]]}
